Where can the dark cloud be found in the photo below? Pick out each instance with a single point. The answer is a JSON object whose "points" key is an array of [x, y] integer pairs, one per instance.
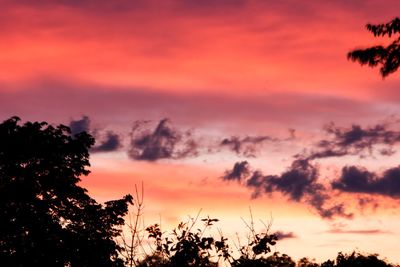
{"points": [[299, 183], [284, 235], [80, 125], [359, 180], [110, 142], [164, 142], [246, 146], [356, 140], [239, 171]]}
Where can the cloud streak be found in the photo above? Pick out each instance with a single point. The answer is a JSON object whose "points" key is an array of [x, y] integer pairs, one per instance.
{"points": [[246, 146], [358, 232], [285, 235]]}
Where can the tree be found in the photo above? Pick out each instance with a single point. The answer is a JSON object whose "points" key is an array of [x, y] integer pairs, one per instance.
{"points": [[357, 259], [46, 218], [387, 57]]}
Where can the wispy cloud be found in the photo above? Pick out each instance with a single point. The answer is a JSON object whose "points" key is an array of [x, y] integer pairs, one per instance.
{"points": [[358, 231], [356, 140], [246, 146], [164, 142], [285, 235]]}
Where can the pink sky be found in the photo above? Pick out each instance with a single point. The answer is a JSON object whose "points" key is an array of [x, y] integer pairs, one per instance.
{"points": [[216, 69]]}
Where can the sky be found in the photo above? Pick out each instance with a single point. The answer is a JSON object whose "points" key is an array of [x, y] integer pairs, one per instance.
{"points": [[221, 105]]}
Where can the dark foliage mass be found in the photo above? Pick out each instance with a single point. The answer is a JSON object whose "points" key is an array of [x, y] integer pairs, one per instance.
{"points": [[386, 57], [187, 247], [46, 218]]}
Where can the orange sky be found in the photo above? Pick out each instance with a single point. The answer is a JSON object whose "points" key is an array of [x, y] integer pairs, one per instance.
{"points": [[216, 69]]}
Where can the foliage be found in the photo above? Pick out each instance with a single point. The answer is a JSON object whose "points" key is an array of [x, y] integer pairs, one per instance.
{"points": [[387, 57], [356, 259], [305, 262], [185, 247], [46, 218], [193, 248], [188, 247]]}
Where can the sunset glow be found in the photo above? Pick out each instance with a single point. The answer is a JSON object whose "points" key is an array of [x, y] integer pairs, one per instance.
{"points": [[262, 82]]}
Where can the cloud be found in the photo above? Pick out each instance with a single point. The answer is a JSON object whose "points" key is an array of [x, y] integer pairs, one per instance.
{"points": [[246, 146], [80, 125], [239, 171], [299, 180], [164, 142], [285, 235], [358, 232], [355, 179], [355, 140], [299, 183], [110, 142]]}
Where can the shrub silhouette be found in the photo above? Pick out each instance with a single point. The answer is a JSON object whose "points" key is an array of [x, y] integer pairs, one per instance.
{"points": [[46, 218], [187, 247], [193, 248]]}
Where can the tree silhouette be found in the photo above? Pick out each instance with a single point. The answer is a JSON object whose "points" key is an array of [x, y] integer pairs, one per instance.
{"points": [[46, 218], [387, 57], [357, 259]]}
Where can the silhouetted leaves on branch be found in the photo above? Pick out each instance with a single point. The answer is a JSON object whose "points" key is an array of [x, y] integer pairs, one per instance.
{"points": [[187, 247], [386, 57], [46, 218]]}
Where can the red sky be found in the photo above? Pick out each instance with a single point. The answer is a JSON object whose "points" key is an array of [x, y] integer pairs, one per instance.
{"points": [[276, 70]]}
